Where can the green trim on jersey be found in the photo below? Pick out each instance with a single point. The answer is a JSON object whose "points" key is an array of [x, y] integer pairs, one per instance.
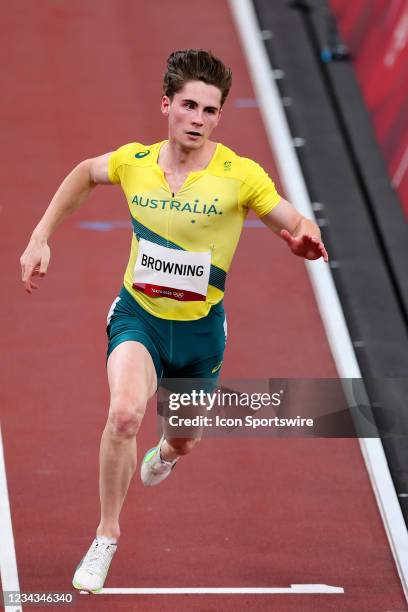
{"points": [[206, 215], [217, 276]]}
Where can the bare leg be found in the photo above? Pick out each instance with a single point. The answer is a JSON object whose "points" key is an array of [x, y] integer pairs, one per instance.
{"points": [[132, 381], [174, 447]]}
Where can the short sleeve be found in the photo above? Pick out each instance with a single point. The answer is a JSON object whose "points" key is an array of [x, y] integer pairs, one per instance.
{"points": [[117, 161], [257, 191]]}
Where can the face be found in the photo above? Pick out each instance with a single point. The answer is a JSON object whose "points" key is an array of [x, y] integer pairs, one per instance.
{"points": [[193, 113]]}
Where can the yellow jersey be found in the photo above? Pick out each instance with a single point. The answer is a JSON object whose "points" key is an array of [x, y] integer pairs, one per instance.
{"points": [[183, 243]]}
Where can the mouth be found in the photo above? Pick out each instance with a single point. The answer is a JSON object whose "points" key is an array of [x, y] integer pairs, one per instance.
{"points": [[195, 134]]}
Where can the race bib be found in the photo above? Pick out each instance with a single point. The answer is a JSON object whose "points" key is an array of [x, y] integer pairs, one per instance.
{"points": [[164, 272]]}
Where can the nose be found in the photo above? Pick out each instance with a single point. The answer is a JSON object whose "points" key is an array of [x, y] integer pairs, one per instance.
{"points": [[198, 117]]}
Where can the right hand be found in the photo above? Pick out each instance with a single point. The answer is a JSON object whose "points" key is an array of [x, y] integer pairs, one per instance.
{"points": [[34, 262]]}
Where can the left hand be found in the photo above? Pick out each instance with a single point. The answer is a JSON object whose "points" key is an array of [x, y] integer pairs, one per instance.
{"points": [[306, 245]]}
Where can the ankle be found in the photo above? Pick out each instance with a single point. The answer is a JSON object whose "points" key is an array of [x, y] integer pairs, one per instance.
{"points": [[167, 452], [108, 532]]}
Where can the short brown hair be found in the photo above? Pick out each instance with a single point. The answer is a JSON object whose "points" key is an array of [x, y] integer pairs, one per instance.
{"points": [[196, 65]]}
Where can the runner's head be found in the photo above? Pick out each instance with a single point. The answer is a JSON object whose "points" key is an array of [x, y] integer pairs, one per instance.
{"points": [[195, 86], [195, 65]]}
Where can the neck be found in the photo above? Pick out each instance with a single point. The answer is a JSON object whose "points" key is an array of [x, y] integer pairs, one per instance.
{"points": [[178, 159]]}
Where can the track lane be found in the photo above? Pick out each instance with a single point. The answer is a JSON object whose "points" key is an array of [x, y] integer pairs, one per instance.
{"points": [[262, 512]]}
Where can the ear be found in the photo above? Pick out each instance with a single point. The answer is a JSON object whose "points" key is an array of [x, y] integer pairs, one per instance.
{"points": [[165, 106]]}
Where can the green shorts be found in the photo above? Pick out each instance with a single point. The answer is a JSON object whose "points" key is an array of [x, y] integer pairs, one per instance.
{"points": [[179, 349]]}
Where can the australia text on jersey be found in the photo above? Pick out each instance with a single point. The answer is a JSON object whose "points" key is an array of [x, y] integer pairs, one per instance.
{"points": [[196, 207]]}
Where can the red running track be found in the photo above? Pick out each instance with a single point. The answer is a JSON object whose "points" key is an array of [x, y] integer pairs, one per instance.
{"points": [[79, 79]]}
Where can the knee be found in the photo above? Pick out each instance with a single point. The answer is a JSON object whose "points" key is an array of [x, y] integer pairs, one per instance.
{"points": [[125, 418], [123, 423], [183, 446]]}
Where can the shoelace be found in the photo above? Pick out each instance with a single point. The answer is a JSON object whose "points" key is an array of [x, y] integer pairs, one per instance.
{"points": [[98, 557], [159, 467]]}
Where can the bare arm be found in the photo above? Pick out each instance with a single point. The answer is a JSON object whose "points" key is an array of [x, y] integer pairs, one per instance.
{"points": [[301, 234], [72, 192]]}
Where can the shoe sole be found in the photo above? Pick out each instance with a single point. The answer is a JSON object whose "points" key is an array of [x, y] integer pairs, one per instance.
{"points": [[82, 588]]}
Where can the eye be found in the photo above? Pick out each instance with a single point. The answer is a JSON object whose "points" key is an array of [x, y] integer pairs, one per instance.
{"points": [[189, 104]]}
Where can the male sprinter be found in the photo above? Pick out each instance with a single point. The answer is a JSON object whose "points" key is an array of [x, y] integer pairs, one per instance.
{"points": [[188, 197]]}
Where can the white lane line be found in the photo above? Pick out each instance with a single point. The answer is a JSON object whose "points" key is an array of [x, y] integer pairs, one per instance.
{"points": [[294, 588], [8, 563], [281, 143]]}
